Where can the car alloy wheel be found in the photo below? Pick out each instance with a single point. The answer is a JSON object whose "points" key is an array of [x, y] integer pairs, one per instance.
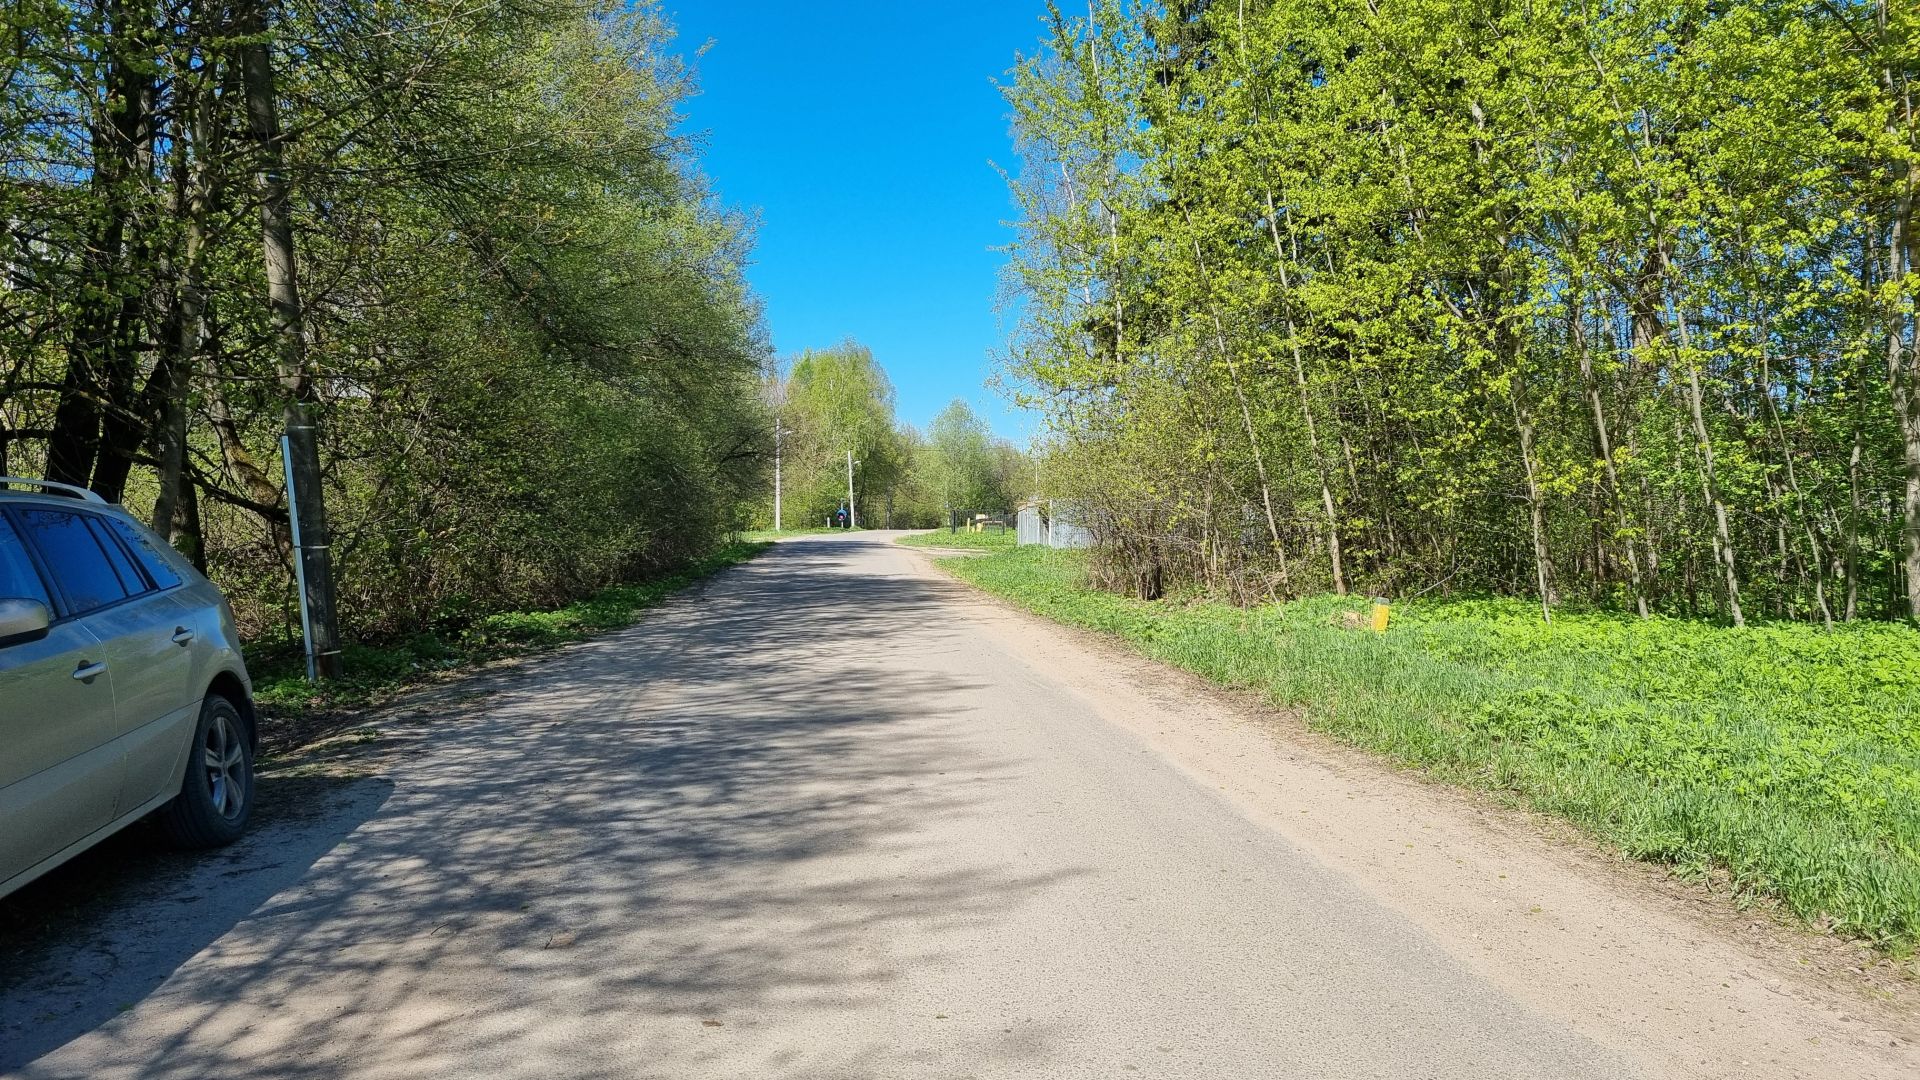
{"points": [[224, 756]]}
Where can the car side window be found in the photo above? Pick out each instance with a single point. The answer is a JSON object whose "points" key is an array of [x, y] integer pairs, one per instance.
{"points": [[130, 576], [79, 565], [18, 579], [150, 558]]}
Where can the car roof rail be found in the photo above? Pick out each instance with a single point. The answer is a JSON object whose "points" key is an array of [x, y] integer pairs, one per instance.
{"points": [[53, 488]]}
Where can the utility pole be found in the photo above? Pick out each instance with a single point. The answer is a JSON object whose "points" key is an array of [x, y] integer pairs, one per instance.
{"points": [[778, 433], [853, 522], [305, 494]]}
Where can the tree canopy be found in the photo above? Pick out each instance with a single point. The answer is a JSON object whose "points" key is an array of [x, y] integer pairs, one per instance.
{"points": [[463, 245], [837, 403], [963, 462], [1611, 303]]}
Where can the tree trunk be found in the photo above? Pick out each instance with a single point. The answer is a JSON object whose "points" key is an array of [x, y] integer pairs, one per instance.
{"points": [[1903, 369], [1799, 499], [1854, 480], [182, 344], [127, 416], [1246, 413], [184, 531], [1603, 436], [241, 466], [1523, 421], [1723, 552], [1306, 406], [99, 350], [283, 295], [1253, 443], [1651, 519], [1903, 352], [1710, 491]]}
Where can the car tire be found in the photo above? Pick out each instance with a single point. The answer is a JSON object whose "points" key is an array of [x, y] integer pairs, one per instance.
{"points": [[216, 798]]}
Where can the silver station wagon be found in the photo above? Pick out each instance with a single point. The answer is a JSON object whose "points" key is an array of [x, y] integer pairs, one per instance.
{"points": [[122, 690]]}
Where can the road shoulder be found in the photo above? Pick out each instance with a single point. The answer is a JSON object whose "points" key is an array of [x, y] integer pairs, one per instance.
{"points": [[1664, 971]]}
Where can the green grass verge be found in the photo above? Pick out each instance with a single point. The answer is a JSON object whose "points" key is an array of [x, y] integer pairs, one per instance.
{"points": [[1785, 756], [281, 688], [758, 535], [1001, 540]]}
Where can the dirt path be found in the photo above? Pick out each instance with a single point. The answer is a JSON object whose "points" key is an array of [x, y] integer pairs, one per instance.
{"points": [[837, 816]]}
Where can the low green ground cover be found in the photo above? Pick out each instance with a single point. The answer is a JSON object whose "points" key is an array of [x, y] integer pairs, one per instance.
{"points": [[281, 688], [1785, 756], [996, 540], [774, 534]]}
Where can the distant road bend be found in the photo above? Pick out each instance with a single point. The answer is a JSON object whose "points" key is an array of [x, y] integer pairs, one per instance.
{"points": [[835, 816]]}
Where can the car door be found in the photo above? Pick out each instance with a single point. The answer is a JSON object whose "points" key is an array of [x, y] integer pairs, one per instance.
{"points": [[59, 772], [156, 749], [145, 632]]}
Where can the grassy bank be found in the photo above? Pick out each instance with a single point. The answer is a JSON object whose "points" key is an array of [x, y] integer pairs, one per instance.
{"points": [[758, 535], [1001, 540], [1785, 756], [282, 691]]}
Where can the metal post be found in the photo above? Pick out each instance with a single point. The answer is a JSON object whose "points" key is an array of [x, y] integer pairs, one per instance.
{"points": [[778, 431], [853, 521], [299, 560]]}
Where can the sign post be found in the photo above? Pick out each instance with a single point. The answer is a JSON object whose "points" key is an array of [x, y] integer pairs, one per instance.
{"points": [[299, 561], [853, 522]]}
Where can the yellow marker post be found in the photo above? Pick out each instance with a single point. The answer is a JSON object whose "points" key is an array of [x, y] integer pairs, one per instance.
{"points": [[1380, 614]]}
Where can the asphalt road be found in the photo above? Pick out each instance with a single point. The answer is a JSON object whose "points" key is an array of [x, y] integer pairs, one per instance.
{"points": [[816, 821]]}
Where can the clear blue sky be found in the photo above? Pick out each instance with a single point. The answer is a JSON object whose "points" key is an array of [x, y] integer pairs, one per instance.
{"points": [[864, 133]]}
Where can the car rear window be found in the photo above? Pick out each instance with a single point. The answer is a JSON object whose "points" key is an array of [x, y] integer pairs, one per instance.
{"points": [[143, 549], [80, 566], [18, 579]]}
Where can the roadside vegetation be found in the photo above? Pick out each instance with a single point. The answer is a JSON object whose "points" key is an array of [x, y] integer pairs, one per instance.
{"points": [[502, 295], [467, 259], [834, 409], [994, 540], [757, 535], [282, 692], [1782, 756], [1590, 329], [1588, 304]]}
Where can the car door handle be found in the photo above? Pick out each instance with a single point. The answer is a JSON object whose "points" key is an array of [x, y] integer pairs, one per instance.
{"points": [[182, 636], [89, 672]]}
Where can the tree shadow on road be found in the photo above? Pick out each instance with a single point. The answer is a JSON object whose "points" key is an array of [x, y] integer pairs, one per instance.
{"points": [[101, 932], [622, 856]]}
